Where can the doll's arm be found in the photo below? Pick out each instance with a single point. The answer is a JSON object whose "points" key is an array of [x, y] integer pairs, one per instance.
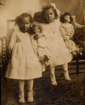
{"points": [[78, 25], [41, 42]]}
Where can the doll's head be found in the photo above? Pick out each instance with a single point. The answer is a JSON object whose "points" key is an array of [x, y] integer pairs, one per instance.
{"points": [[36, 27], [49, 13], [23, 21], [66, 18]]}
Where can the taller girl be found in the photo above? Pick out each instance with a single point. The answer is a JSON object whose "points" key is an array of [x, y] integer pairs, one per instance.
{"points": [[59, 53]]}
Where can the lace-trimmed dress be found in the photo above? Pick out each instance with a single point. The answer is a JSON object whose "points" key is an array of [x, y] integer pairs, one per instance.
{"points": [[59, 53], [67, 32], [43, 48], [24, 63]]}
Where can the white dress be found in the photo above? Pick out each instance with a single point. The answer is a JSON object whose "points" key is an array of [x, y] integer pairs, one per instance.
{"points": [[67, 32], [24, 64], [59, 53]]}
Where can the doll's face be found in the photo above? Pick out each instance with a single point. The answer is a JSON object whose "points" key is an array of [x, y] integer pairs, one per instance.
{"points": [[24, 26], [67, 18], [37, 30], [49, 15]]}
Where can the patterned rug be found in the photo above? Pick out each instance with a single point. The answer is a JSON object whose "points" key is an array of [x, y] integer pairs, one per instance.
{"points": [[66, 93]]}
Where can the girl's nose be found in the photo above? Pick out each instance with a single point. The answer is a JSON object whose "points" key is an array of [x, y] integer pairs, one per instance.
{"points": [[25, 25], [49, 16]]}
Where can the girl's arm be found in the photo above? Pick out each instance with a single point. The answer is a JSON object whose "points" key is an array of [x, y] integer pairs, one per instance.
{"points": [[12, 41], [78, 25]]}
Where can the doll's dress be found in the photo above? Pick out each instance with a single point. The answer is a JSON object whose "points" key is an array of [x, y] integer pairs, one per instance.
{"points": [[43, 48], [67, 32], [59, 53], [24, 64]]}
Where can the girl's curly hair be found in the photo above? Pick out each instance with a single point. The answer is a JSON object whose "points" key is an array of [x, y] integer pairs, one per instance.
{"points": [[18, 19], [47, 8], [62, 17]]}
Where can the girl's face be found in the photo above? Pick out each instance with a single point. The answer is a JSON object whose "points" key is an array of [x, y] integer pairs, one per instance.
{"points": [[67, 18], [49, 15], [36, 30], [24, 26]]}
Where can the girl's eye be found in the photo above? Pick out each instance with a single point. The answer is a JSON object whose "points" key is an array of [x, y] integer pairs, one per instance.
{"points": [[51, 13], [27, 23]]}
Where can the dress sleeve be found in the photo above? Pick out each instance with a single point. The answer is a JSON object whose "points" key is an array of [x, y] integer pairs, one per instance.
{"points": [[12, 41], [34, 44]]}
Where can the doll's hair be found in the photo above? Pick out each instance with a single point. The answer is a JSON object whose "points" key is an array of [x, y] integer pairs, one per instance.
{"points": [[18, 19], [62, 17], [34, 25], [47, 7]]}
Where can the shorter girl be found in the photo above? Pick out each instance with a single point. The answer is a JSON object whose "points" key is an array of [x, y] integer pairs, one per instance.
{"points": [[43, 51], [24, 65], [67, 31]]}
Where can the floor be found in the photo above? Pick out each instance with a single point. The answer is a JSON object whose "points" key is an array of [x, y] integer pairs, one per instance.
{"points": [[66, 93]]}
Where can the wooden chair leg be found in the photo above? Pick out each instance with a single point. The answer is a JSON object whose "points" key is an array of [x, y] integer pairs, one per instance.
{"points": [[77, 66]]}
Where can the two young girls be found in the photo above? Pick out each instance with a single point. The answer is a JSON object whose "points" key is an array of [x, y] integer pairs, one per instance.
{"points": [[24, 64]]}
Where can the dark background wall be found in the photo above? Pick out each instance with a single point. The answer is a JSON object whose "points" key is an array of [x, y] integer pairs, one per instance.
{"points": [[13, 8], [75, 7]]}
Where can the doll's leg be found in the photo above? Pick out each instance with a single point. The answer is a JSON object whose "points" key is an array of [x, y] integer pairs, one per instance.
{"points": [[21, 91], [30, 90], [66, 72], [74, 53], [46, 60], [52, 76]]}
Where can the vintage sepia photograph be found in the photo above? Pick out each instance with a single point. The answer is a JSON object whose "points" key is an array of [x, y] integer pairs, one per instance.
{"points": [[42, 52]]}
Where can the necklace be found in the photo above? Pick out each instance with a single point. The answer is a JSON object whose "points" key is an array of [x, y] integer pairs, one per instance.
{"points": [[52, 27]]}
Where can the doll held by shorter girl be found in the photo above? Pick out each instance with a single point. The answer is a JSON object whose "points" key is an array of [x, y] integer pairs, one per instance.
{"points": [[43, 51]]}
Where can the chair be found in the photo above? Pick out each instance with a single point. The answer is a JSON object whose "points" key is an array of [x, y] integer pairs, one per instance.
{"points": [[2, 55]]}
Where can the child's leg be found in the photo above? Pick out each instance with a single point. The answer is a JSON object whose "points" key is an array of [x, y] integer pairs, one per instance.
{"points": [[66, 72], [21, 91], [53, 78], [30, 90]]}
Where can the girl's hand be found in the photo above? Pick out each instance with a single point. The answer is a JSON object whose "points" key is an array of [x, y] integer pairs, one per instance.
{"points": [[36, 37], [41, 59]]}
